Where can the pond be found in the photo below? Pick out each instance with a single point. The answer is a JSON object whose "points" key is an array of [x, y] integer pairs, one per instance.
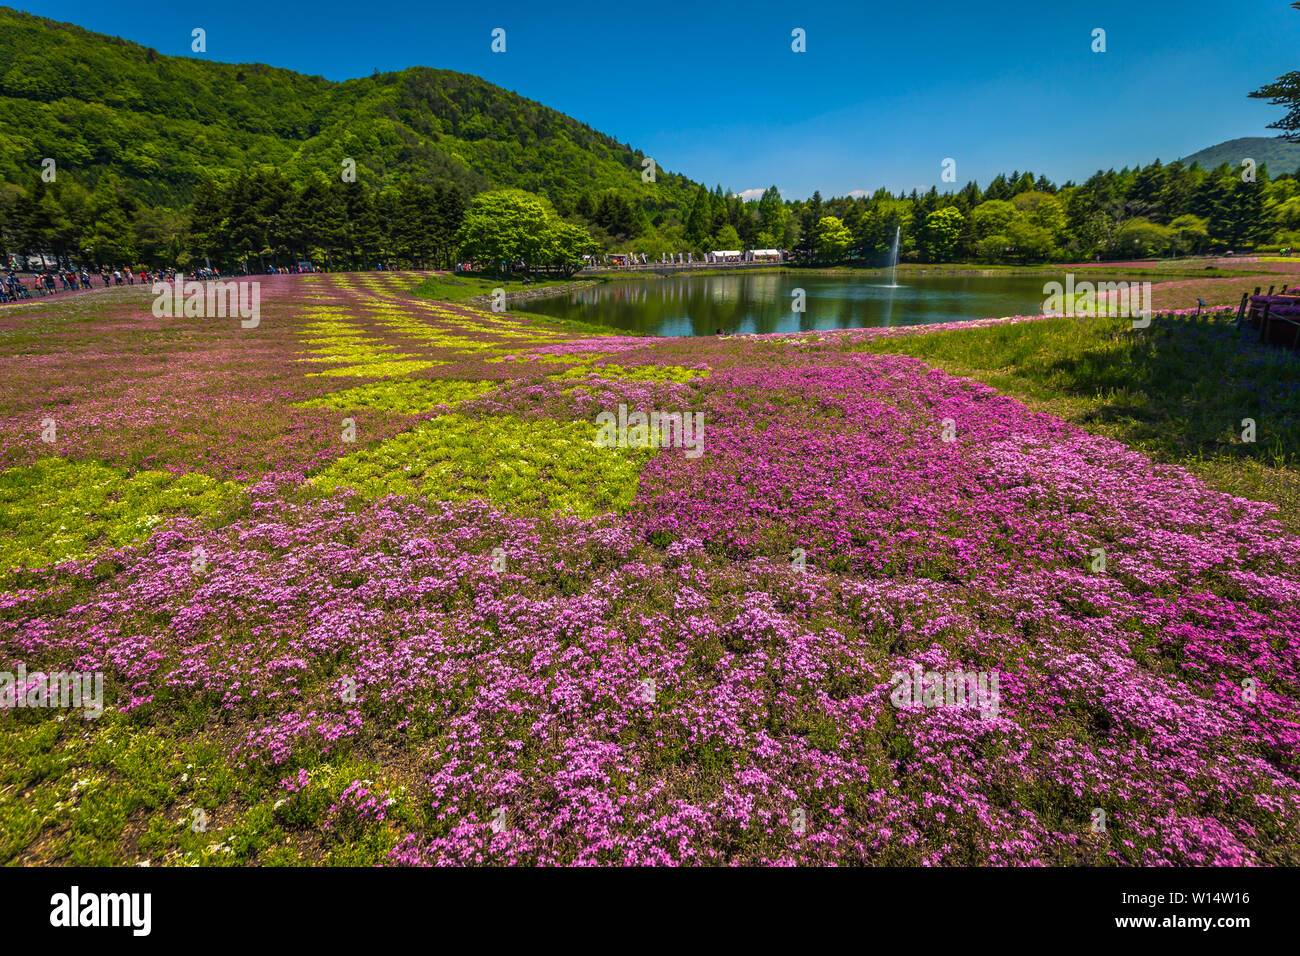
{"points": [[762, 302]]}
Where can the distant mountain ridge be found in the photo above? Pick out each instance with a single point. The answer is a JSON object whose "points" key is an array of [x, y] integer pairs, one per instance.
{"points": [[1277, 153]]}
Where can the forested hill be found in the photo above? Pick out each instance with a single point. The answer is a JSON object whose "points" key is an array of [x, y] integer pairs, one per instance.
{"points": [[97, 103]]}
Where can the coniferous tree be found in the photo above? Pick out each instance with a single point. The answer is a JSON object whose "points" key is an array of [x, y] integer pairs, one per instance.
{"points": [[699, 220], [1284, 91]]}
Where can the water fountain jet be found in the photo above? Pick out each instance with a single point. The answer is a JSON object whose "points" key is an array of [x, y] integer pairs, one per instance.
{"points": [[893, 258]]}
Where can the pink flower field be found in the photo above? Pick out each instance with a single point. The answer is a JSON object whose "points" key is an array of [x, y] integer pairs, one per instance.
{"points": [[365, 586]]}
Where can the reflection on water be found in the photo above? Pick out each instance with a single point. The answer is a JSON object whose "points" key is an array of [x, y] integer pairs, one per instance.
{"points": [[702, 305]]}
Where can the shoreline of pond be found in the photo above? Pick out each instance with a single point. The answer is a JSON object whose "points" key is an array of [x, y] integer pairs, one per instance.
{"points": [[484, 301], [938, 269]]}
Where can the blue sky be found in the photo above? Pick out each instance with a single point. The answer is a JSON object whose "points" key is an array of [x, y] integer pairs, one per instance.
{"points": [[884, 93]]}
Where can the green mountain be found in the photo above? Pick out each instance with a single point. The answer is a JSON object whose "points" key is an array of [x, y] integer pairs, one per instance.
{"points": [[97, 104], [1281, 156]]}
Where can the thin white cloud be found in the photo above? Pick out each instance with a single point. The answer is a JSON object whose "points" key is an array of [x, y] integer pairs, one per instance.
{"points": [[751, 194]]}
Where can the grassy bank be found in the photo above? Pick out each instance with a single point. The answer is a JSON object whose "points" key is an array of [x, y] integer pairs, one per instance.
{"points": [[458, 288], [461, 289], [1178, 392]]}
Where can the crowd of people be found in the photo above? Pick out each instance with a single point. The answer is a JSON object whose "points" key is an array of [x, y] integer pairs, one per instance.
{"points": [[298, 268], [51, 281]]}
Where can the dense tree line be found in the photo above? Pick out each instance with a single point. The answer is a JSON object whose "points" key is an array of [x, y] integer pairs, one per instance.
{"points": [[261, 217], [1155, 210], [257, 220], [1152, 211], [331, 222]]}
